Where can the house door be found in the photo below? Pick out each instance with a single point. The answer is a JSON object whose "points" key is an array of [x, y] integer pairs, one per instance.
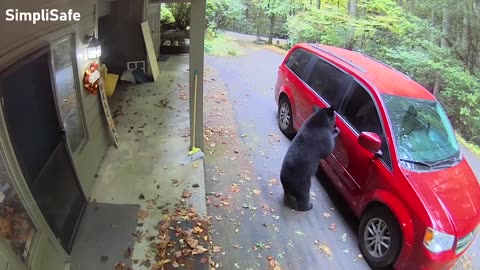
{"points": [[39, 143]]}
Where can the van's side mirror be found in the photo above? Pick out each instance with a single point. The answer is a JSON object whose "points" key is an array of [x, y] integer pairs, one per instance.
{"points": [[370, 141]]}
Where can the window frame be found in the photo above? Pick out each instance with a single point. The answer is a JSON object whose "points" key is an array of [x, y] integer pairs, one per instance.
{"points": [[307, 66], [377, 108], [312, 65], [78, 95]]}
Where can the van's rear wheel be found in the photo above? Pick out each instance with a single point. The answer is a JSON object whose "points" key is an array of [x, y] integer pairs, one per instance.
{"points": [[380, 237], [285, 119]]}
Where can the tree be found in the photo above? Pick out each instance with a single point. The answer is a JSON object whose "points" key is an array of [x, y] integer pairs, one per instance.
{"points": [[224, 13], [181, 13]]}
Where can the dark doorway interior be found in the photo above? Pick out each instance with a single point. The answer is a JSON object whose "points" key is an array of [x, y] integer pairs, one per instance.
{"points": [[39, 143]]}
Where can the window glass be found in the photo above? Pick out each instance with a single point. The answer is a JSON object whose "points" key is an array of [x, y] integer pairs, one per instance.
{"points": [[66, 94], [422, 131], [298, 61], [16, 227], [329, 82], [360, 111]]}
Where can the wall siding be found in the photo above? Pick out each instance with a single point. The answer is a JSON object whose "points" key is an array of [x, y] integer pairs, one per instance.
{"points": [[19, 39]]}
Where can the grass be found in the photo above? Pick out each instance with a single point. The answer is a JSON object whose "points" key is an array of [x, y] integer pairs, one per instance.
{"points": [[221, 45], [470, 146]]}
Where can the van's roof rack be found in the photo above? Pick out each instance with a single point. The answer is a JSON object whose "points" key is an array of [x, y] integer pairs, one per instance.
{"points": [[338, 56]]}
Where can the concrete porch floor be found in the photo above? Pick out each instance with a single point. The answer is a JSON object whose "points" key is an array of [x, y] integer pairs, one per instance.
{"points": [[152, 121]]}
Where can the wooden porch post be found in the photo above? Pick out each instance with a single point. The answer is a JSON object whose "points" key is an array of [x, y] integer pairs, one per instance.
{"points": [[197, 36]]}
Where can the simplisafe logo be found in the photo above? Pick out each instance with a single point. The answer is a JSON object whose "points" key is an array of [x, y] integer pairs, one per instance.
{"points": [[44, 15]]}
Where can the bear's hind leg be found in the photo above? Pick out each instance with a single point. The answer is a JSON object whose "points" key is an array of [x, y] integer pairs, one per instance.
{"points": [[303, 202]]}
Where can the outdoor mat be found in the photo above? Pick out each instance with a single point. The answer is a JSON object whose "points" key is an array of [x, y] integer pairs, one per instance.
{"points": [[105, 237], [163, 58]]}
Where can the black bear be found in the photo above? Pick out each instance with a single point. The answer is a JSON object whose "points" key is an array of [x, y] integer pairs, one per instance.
{"points": [[314, 141]]}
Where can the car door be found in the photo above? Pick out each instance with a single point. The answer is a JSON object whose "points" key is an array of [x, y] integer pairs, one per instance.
{"points": [[330, 86], [355, 165], [299, 64]]}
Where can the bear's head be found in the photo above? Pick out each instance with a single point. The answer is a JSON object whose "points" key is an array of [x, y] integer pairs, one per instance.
{"points": [[325, 118]]}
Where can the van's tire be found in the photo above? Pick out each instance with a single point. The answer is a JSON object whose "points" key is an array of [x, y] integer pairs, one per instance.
{"points": [[285, 117], [378, 225]]}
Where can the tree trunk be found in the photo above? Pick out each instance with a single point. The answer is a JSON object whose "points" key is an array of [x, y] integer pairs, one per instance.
{"points": [[319, 4], [445, 26], [411, 6], [352, 8], [436, 87], [465, 28], [272, 26], [443, 44]]}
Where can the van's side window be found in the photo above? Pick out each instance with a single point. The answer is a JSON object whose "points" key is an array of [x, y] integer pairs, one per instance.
{"points": [[329, 82], [298, 61], [360, 111]]}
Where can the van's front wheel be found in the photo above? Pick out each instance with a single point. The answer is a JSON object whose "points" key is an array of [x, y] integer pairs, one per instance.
{"points": [[285, 119], [380, 237]]}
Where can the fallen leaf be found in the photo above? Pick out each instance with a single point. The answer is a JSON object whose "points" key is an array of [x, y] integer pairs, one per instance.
{"points": [[195, 164], [300, 233], [199, 249], [186, 194], [346, 251], [332, 227], [344, 237], [256, 191], [164, 261], [217, 249], [197, 229], [119, 266], [325, 249], [326, 215], [244, 135], [175, 265]]}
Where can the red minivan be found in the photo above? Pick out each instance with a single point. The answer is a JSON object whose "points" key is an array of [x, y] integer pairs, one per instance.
{"points": [[396, 160]]}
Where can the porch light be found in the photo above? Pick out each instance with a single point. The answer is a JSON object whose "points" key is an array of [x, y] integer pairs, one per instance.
{"points": [[94, 49]]}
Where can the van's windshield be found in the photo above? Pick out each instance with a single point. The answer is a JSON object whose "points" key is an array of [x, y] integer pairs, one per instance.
{"points": [[424, 137]]}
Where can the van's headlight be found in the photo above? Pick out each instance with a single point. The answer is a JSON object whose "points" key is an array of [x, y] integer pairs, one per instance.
{"points": [[436, 241]]}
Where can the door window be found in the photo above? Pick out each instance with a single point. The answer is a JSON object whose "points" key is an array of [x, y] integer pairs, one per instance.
{"points": [[360, 111], [329, 82], [67, 94], [16, 227], [298, 61]]}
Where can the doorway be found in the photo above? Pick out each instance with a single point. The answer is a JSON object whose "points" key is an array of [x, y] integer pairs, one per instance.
{"points": [[39, 142]]}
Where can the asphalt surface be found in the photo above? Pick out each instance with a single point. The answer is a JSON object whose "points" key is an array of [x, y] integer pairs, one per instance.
{"points": [[249, 236]]}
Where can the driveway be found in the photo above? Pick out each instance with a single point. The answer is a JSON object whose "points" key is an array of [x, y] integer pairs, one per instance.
{"points": [[251, 228]]}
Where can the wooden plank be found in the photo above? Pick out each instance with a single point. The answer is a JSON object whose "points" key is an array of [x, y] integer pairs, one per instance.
{"points": [[152, 58]]}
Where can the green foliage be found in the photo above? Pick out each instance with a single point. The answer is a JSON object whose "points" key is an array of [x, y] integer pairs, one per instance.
{"points": [[223, 13], [329, 25], [220, 45], [166, 16], [181, 13]]}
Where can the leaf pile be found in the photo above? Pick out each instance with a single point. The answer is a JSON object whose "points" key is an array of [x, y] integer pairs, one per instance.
{"points": [[182, 240]]}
